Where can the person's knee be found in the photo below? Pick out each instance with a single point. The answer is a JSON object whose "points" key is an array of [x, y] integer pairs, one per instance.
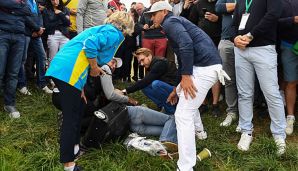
{"points": [[156, 84]]}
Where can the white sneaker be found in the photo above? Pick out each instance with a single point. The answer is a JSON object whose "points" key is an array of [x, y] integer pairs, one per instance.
{"points": [[244, 142], [238, 129], [229, 119], [25, 91], [281, 146], [201, 135], [47, 90], [290, 125], [13, 112]]}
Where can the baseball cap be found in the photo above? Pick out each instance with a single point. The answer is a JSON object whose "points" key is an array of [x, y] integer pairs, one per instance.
{"points": [[158, 6], [119, 62]]}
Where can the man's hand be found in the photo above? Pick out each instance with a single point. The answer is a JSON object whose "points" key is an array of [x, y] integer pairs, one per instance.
{"points": [[241, 42], [133, 101], [296, 19], [34, 34], [57, 11], [41, 30], [173, 98], [187, 4], [146, 27], [230, 7], [73, 11], [188, 87], [211, 17], [96, 71]]}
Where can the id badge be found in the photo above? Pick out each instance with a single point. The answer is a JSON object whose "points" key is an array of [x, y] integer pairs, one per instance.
{"points": [[243, 22]]}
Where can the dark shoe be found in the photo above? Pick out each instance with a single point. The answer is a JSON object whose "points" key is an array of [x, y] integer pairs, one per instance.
{"points": [[203, 109], [77, 168], [216, 111], [135, 78]]}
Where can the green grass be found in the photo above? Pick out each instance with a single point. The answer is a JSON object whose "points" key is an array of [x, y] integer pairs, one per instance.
{"points": [[31, 143]]}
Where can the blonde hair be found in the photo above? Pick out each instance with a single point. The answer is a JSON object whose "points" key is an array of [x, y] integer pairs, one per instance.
{"points": [[122, 20], [142, 51]]}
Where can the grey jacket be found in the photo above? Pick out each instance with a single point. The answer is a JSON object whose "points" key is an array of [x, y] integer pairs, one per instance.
{"points": [[91, 13]]}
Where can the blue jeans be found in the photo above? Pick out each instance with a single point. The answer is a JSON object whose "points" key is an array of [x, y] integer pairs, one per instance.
{"points": [[158, 91], [148, 122], [262, 61], [22, 74], [11, 53], [39, 53]]}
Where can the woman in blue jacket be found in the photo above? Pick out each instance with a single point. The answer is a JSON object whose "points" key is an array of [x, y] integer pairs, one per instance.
{"points": [[69, 69]]}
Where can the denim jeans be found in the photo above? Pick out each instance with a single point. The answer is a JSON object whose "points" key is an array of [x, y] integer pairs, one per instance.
{"points": [[148, 122], [226, 51], [22, 74], [11, 53], [262, 61], [38, 52], [158, 91]]}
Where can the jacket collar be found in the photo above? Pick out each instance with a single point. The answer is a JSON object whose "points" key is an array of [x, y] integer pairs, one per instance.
{"points": [[167, 16]]}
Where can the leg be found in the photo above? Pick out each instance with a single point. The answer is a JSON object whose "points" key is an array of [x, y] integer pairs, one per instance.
{"points": [[22, 74], [146, 121], [39, 53], [53, 46], [265, 64], [160, 47], [245, 78], [71, 104], [5, 48], [13, 65], [149, 92], [226, 50], [185, 113]]}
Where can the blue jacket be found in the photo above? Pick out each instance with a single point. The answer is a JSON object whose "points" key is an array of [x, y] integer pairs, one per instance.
{"points": [[12, 14], [192, 45], [71, 62]]}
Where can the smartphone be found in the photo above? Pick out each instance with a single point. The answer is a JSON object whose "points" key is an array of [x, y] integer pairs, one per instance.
{"points": [[204, 10]]}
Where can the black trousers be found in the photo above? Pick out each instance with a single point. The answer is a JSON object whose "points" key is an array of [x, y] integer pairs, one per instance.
{"points": [[72, 111]]}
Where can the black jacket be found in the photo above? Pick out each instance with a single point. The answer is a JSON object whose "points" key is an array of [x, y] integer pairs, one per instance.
{"points": [[53, 22]]}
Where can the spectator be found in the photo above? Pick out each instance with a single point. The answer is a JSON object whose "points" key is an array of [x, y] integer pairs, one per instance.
{"points": [[158, 82], [91, 13], [288, 32], [138, 70], [115, 5], [12, 43], [153, 37], [133, 5], [69, 70], [200, 68], [56, 22], [177, 6], [255, 24], [34, 42], [226, 51], [72, 5], [204, 16]]}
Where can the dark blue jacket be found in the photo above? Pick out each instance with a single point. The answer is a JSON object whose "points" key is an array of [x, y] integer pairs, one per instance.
{"points": [[192, 45], [12, 15]]}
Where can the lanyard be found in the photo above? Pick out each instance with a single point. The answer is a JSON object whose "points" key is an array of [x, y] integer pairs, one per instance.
{"points": [[247, 5]]}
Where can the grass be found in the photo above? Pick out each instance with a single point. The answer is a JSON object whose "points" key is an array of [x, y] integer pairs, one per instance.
{"points": [[31, 143]]}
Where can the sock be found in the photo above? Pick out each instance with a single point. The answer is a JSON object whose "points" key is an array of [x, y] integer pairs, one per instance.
{"points": [[70, 168], [291, 117], [76, 148]]}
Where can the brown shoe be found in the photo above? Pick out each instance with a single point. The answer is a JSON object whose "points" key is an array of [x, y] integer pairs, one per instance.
{"points": [[170, 146]]}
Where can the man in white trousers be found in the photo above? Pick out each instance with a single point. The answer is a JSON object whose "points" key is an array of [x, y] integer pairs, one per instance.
{"points": [[199, 66]]}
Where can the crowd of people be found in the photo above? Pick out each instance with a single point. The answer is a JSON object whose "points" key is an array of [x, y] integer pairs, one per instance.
{"points": [[180, 51]]}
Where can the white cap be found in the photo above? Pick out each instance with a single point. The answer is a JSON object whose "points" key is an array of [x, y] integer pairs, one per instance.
{"points": [[158, 6], [119, 62]]}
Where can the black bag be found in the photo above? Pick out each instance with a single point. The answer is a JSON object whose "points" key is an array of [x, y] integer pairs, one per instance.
{"points": [[108, 124]]}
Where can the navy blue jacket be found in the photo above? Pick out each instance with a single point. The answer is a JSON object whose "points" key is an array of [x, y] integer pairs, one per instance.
{"points": [[192, 45], [12, 14]]}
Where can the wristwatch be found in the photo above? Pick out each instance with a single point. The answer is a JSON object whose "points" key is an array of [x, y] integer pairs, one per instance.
{"points": [[250, 36]]}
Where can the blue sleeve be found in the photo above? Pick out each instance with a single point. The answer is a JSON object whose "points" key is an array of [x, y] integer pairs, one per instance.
{"points": [[220, 7], [99, 42], [175, 31], [12, 4]]}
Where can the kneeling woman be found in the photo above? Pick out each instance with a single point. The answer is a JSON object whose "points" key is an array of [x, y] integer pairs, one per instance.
{"points": [[70, 67]]}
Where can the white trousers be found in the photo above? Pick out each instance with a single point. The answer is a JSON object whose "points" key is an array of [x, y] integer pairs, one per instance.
{"points": [[55, 43], [187, 115]]}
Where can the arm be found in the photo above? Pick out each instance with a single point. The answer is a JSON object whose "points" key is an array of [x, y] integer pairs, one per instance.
{"points": [[31, 24], [222, 7], [194, 14], [82, 7], [48, 24], [64, 17], [108, 87], [271, 17], [286, 22], [156, 72]]}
